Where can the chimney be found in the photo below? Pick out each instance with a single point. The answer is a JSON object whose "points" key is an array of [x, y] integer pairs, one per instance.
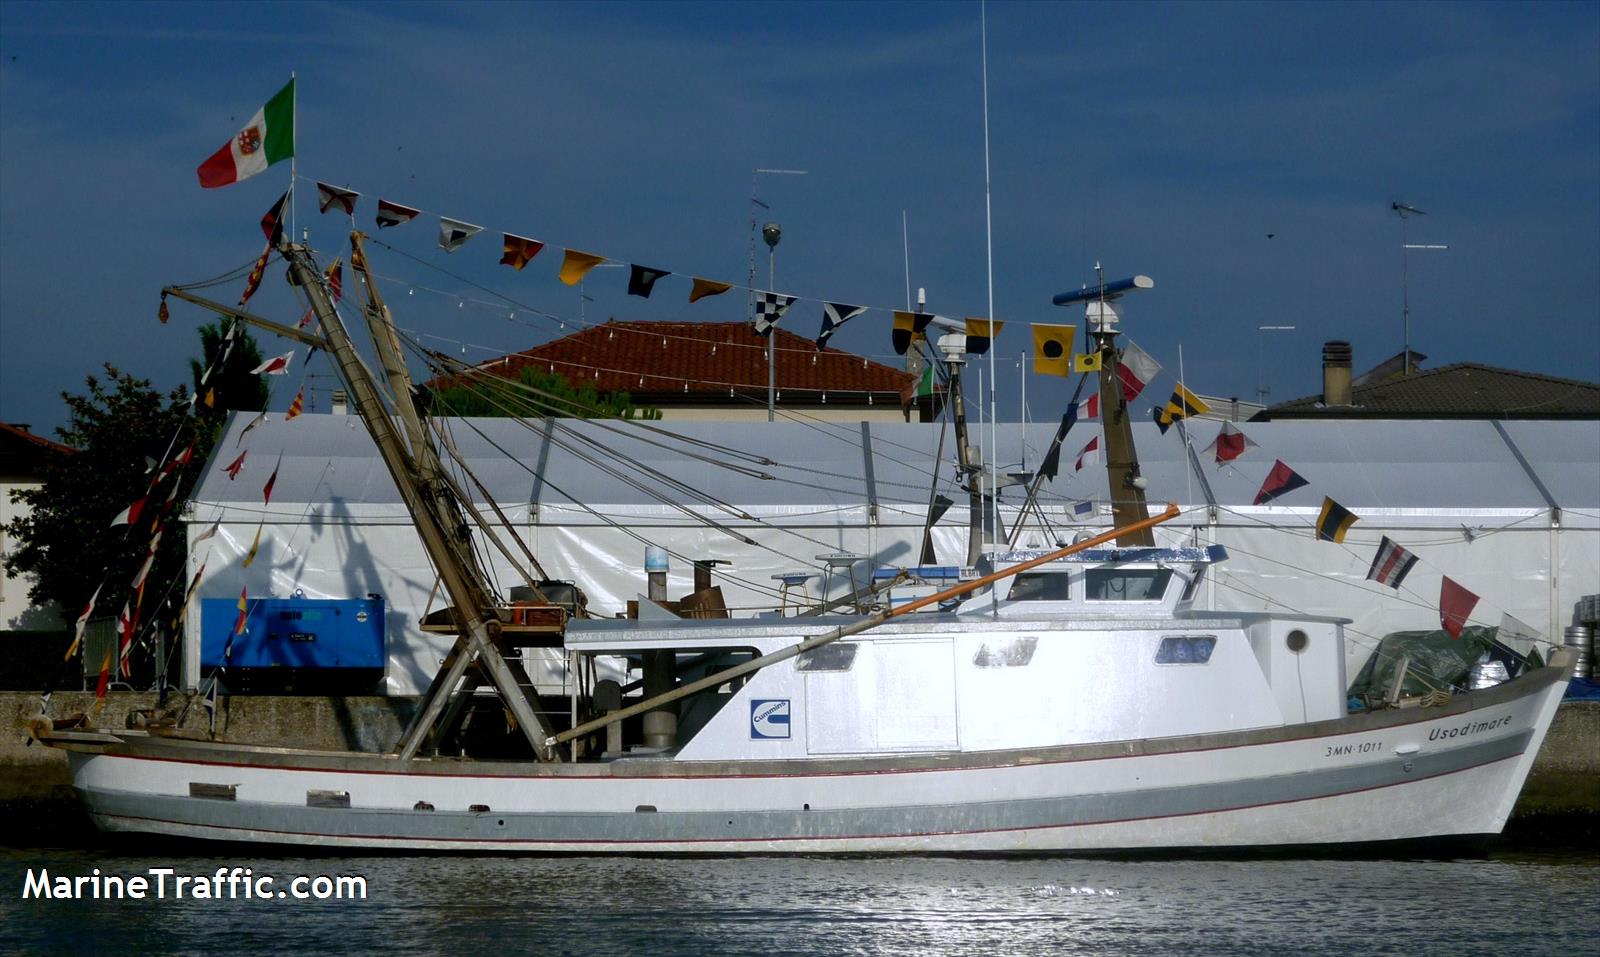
{"points": [[339, 403], [1336, 373]]}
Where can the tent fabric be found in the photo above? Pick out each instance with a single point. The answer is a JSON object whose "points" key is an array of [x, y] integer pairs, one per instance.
{"points": [[1452, 492]]}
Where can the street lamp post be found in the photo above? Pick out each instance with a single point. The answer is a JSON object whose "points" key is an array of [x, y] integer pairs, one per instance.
{"points": [[750, 295], [771, 233]]}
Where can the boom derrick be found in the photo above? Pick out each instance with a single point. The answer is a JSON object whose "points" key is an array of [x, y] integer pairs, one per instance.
{"points": [[430, 498]]}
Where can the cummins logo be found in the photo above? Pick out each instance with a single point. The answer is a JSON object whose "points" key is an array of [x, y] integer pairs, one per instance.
{"points": [[769, 718]]}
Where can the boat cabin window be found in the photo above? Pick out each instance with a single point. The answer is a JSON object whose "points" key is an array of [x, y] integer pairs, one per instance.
{"points": [[1185, 649], [1016, 653], [1041, 586], [1126, 584], [837, 656], [1193, 584]]}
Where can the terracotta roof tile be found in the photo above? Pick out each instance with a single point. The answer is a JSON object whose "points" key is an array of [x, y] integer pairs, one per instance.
{"points": [[661, 358], [23, 453]]}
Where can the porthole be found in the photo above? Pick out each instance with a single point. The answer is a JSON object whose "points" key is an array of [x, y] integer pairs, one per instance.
{"points": [[1297, 641]]}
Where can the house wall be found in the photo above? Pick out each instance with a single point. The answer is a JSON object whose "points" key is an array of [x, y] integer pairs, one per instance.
{"points": [[17, 611]]}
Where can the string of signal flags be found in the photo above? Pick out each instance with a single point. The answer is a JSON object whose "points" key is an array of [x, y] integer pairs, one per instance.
{"points": [[269, 137], [1391, 563], [1052, 342]]}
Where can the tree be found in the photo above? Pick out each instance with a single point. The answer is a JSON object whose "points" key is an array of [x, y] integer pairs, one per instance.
{"points": [[233, 387], [537, 393], [122, 428], [67, 542]]}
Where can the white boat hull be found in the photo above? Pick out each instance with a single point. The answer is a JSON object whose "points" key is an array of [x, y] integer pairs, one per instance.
{"points": [[1394, 775]]}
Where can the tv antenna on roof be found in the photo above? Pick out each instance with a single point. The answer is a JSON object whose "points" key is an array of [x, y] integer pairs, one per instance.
{"points": [[1406, 211]]}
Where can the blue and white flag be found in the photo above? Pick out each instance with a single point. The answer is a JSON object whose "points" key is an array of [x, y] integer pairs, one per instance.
{"points": [[834, 315], [770, 307]]}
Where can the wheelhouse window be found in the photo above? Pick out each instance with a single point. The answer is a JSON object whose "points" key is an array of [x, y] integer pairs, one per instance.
{"points": [[1041, 586], [1193, 584], [1126, 584], [837, 656], [1185, 649]]}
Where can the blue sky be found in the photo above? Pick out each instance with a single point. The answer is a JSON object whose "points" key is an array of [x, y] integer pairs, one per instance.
{"points": [[1169, 140]]}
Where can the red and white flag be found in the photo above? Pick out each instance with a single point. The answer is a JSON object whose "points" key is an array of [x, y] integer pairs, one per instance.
{"points": [[330, 197], [278, 365], [1090, 455], [393, 214], [1136, 370], [125, 636], [233, 467], [83, 621], [129, 515], [1229, 444], [1090, 409]]}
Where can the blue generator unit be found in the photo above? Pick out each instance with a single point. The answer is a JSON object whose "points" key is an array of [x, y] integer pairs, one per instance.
{"points": [[294, 645]]}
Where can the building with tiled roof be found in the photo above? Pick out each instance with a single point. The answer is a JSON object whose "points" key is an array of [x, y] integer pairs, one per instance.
{"points": [[1465, 390], [714, 370], [23, 460]]}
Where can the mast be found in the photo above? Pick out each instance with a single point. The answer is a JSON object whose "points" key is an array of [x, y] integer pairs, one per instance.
{"points": [[434, 509], [1127, 485], [967, 462]]}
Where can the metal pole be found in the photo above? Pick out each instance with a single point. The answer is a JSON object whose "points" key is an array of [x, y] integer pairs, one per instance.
{"points": [[1405, 293], [772, 339], [994, 345]]}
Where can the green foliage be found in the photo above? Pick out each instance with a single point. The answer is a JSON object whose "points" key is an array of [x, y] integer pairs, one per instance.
{"points": [[120, 426], [236, 388], [117, 427], [537, 393]]}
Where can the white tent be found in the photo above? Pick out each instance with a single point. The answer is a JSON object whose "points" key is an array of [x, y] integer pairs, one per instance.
{"points": [[1509, 510]]}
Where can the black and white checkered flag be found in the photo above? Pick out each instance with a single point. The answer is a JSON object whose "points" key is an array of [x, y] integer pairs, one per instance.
{"points": [[770, 307], [834, 315]]}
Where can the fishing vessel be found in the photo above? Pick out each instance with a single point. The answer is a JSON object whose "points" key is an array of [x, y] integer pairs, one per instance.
{"points": [[1051, 700]]}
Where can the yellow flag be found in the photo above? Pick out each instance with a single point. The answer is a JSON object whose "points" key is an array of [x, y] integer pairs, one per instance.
{"points": [[906, 330], [1182, 405], [576, 265], [981, 333], [1052, 349], [707, 287], [211, 397], [1086, 362], [252, 556]]}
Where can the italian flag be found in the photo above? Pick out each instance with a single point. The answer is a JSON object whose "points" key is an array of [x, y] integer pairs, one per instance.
{"points": [[267, 138]]}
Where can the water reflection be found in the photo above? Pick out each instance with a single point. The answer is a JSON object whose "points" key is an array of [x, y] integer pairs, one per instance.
{"points": [[480, 906]]}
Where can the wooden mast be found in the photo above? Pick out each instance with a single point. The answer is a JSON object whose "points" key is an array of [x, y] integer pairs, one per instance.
{"points": [[434, 510], [1128, 507]]}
